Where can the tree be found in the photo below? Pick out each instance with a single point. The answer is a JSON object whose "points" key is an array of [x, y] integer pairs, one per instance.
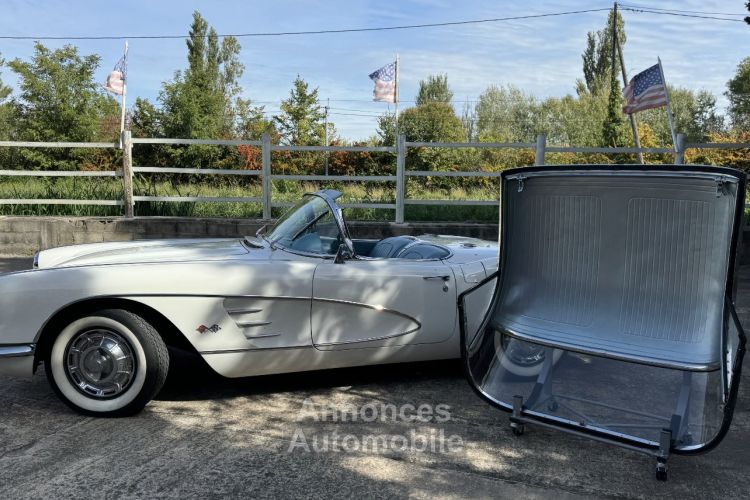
{"points": [[434, 89], [706, 118], [301, 120], [145, 119], [386, 130], [202, 101], [597, 57], [6, 108], [612, 126], [507, 114], [469, 120], [6, 119], [61, 101], [431, 122], [608, 66], [253, 122], [747, 19], [738, 93], [59, 97], [574, 120]]}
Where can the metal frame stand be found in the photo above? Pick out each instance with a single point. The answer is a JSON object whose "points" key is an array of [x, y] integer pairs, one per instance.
{"points": [[672, 430]]}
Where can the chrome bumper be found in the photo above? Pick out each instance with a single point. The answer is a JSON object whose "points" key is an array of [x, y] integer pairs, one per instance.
{"points": [[17, 360]]}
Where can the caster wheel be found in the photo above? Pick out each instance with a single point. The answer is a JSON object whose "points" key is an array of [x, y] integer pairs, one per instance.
{"points": [[661, 472], [517, 429], [553, 406]]}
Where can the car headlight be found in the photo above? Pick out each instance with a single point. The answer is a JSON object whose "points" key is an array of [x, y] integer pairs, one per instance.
{"points": [[35, 264]]}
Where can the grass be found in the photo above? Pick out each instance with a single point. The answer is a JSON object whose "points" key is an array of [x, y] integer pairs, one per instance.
{"points": [[104, 188]]}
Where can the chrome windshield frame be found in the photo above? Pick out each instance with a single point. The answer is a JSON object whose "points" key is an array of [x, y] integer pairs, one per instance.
{"points": [[328, 196]]}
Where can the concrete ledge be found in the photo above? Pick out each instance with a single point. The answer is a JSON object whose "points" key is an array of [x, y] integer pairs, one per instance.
{"points": [[23, 236]]}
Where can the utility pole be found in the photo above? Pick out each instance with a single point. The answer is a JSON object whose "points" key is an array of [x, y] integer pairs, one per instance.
{"points": [[328, 104], [633, 124]]}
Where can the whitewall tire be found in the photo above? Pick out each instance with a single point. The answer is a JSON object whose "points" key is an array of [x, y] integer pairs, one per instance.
{"points": [[108, 364], [522, 359]]}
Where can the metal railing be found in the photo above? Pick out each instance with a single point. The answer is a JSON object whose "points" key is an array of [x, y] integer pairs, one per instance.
{"points": [[267, 176]]}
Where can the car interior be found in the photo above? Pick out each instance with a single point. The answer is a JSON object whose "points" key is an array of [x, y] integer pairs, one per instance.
{"points": [[317, 232], [400, 247]]}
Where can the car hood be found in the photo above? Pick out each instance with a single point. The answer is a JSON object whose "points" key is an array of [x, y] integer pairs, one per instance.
{"points": [[131, 252]]}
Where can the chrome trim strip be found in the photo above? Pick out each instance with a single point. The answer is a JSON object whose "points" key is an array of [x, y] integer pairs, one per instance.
{"points": [[371, 339], [256, 349], [623, 173], [240, 310], [261, 336], [376, 308], [369, 306], [250, 324], [17, 350]]}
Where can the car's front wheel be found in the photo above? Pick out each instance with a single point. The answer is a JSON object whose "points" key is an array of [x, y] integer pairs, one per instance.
{"points": [[522, 359], [108, 364]]}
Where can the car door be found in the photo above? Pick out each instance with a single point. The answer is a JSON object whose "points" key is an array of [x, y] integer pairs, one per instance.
{"points": [[364, 303]]}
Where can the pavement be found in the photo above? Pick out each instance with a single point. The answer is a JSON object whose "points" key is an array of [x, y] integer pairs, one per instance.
{"points": [[279, 436]]}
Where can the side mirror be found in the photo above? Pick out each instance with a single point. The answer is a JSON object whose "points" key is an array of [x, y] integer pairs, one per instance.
{"points": [[342, 254]]}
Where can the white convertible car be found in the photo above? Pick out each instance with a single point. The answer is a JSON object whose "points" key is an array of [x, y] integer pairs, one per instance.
{"points": [[303, 296]]}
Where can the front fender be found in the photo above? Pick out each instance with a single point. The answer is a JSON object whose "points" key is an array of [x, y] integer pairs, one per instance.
{"points": [[189, 294]]}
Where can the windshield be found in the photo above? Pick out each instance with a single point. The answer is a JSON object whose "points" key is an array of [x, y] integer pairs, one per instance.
{"points": [[308, 227]]}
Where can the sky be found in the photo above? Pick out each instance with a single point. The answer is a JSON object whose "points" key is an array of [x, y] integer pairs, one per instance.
{"points": [[541, 56]]}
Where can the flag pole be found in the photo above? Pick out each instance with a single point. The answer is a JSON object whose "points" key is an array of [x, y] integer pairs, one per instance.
{"points": [[669, 106], [631, 116], [395, 97], [124, 91]]}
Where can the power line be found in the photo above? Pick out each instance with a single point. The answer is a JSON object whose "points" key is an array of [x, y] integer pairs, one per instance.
{"points": [[311, 32], [649, 11], [356, 114], [682, 10]]}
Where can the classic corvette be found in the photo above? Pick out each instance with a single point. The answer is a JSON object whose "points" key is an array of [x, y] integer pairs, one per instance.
{"points": [[302, 296]]}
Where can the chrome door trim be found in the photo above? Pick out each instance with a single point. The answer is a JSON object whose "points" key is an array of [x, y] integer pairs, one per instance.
{"points": [[17, 350]]}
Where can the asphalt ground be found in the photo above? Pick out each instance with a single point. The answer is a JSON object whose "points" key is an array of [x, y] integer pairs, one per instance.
{"points": [[296, 436]]}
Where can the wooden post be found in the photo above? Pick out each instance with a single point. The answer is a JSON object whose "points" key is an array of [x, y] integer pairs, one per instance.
{"points": [[127, 172], [266, 177], [400, 177], [541, 146]]}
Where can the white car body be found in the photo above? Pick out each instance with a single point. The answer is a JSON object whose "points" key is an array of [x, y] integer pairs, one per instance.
{"points": [[250, 307]]}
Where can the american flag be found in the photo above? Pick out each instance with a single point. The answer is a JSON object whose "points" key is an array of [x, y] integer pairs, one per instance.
{"points": [[645, 91], [385, 83], [117, 77]]}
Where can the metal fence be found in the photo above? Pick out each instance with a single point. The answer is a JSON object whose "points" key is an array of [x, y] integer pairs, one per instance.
{"points": [[266, 174]]}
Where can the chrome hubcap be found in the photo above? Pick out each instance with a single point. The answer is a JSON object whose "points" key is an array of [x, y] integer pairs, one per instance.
{"points": [[100, 363], [520, 352]]}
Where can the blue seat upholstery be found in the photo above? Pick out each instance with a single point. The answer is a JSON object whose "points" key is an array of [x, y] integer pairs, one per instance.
{"points": [[390, 247]]}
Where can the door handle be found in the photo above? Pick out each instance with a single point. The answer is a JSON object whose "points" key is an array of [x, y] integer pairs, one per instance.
{"points": [[445, 279]]}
